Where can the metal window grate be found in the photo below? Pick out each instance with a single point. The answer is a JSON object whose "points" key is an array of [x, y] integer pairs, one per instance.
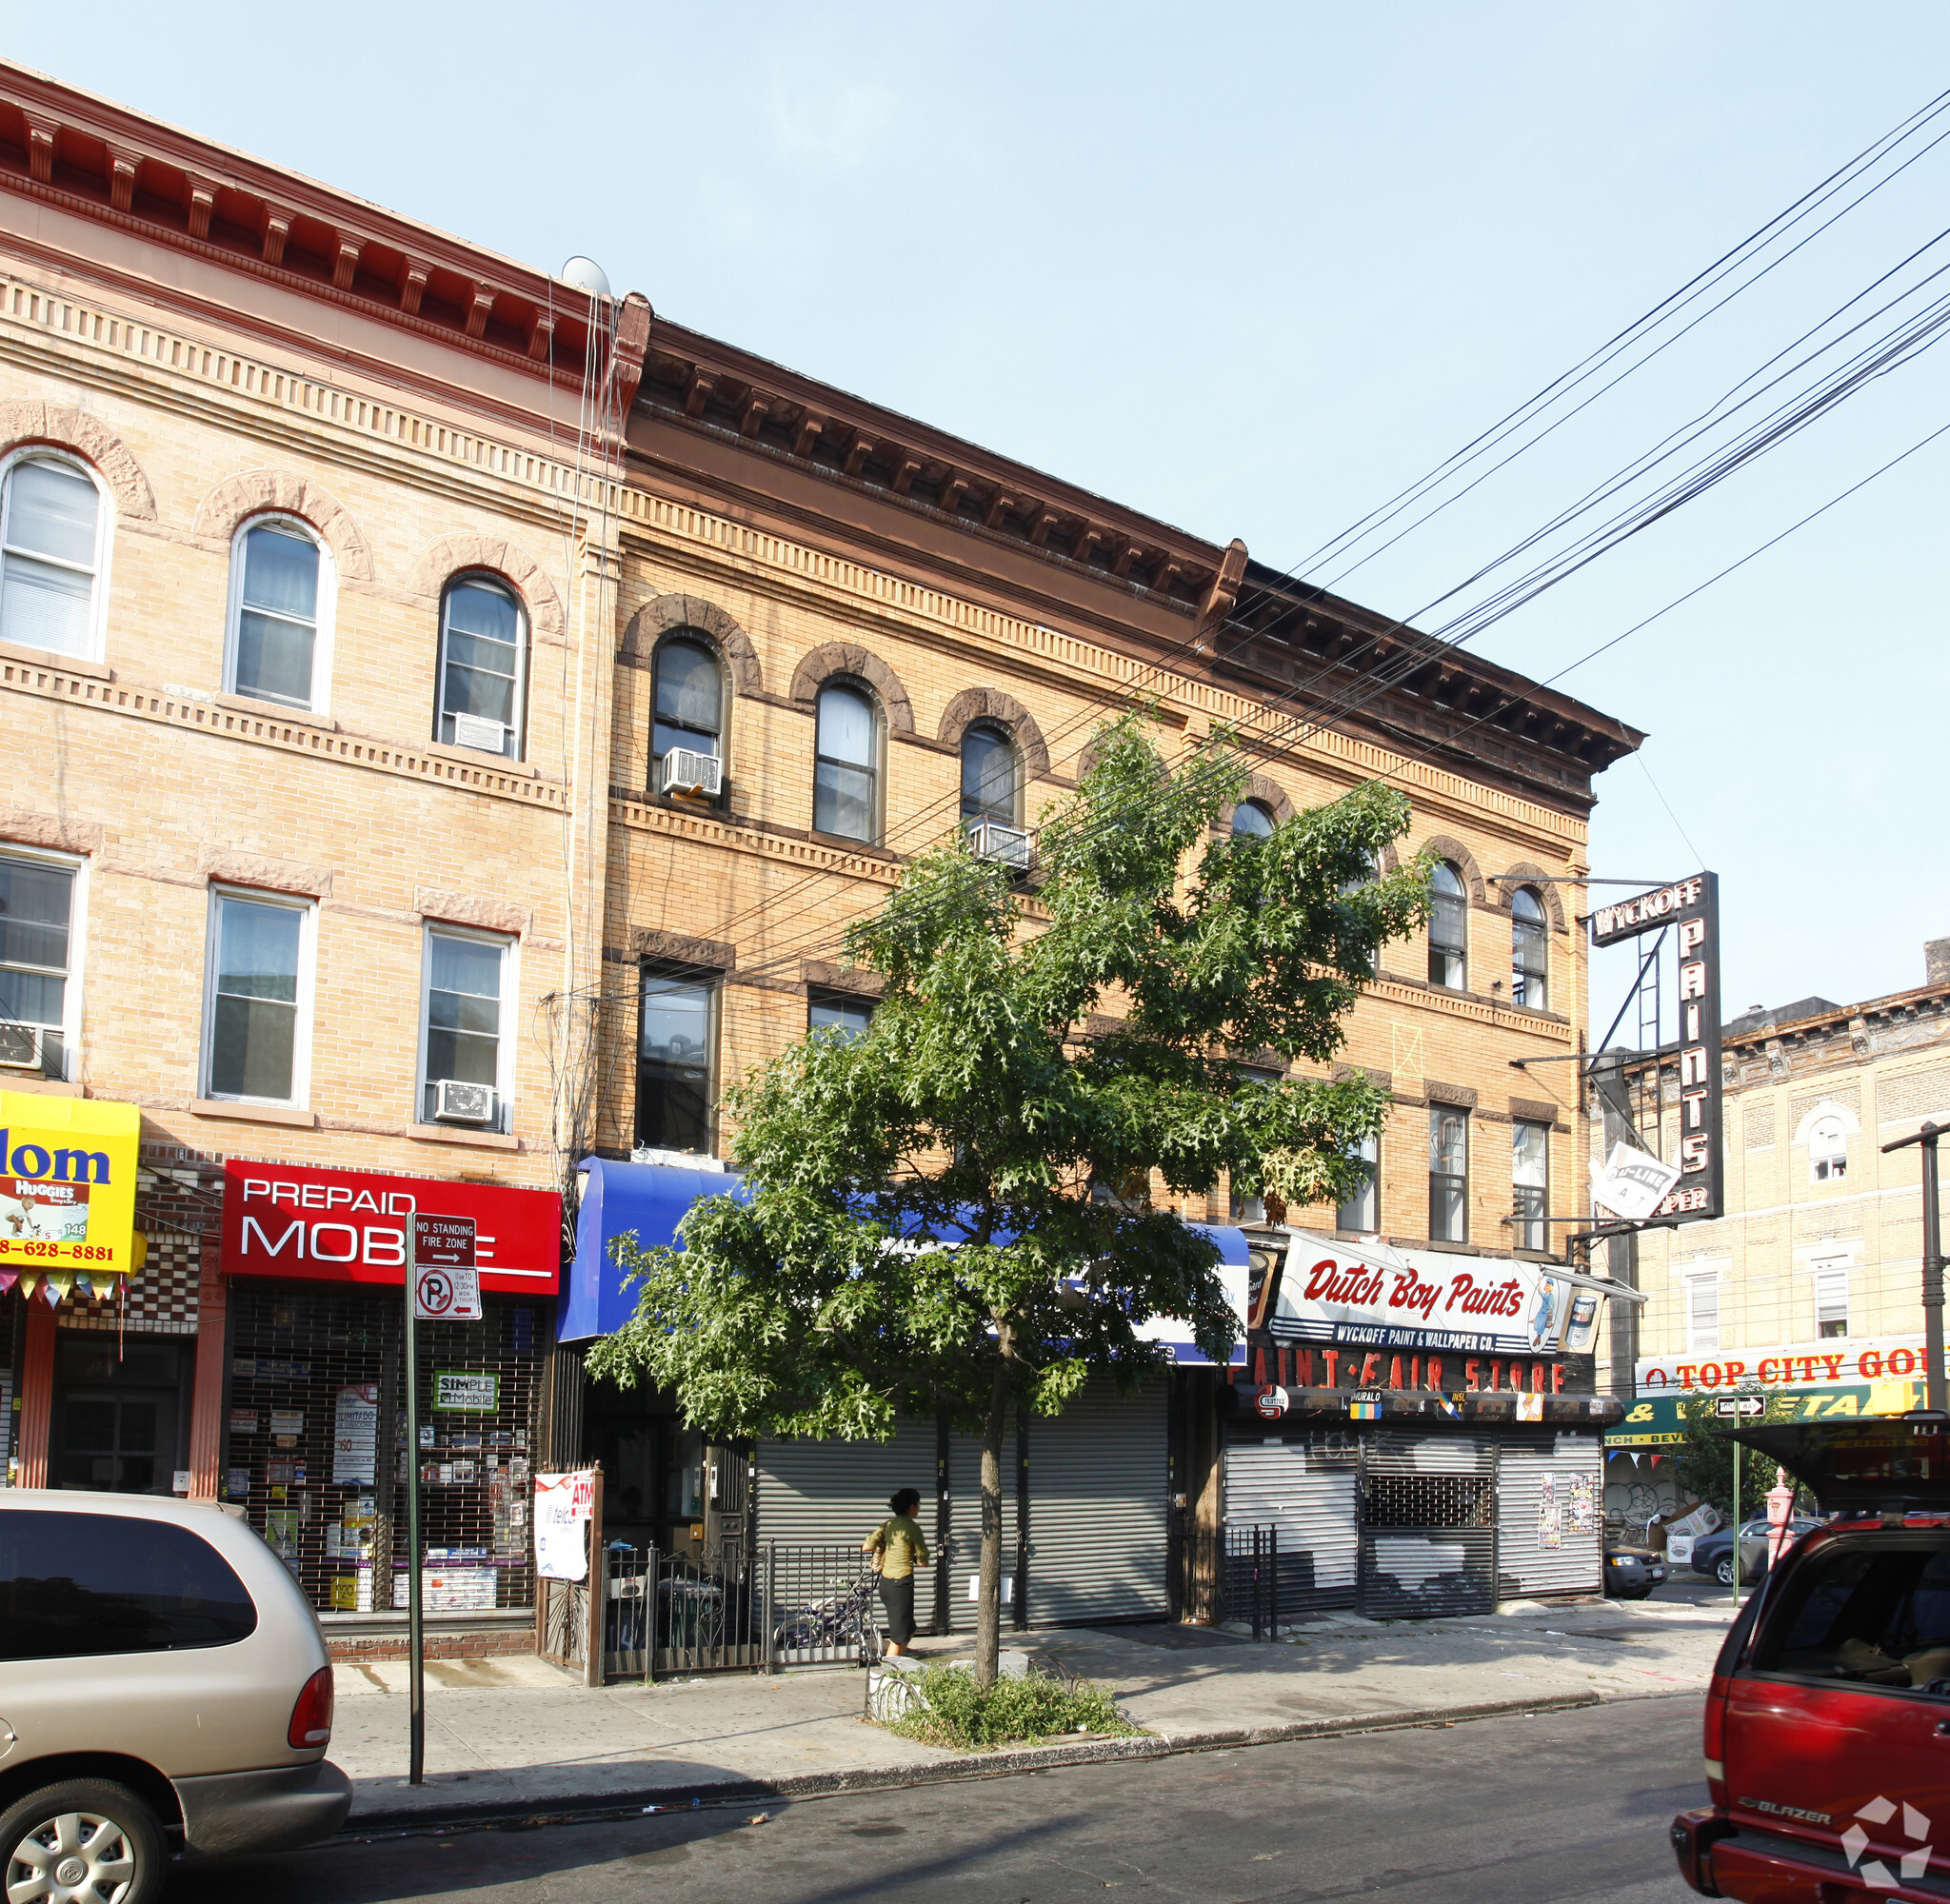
{"points": [[304, 1362], [1429, 1501]]}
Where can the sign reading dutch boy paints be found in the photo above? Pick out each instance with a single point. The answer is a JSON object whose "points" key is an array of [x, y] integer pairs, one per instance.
{"points": [[1416, 1300]]}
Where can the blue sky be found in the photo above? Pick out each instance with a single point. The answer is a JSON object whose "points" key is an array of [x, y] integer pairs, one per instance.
{"points": [[1254, 268]]}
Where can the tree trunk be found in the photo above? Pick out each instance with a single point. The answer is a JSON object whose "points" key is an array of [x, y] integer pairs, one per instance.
{"points": [[988, 1610]]}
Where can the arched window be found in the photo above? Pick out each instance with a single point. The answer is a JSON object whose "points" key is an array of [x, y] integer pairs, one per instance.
{"points": [[1448, 930], [1250, 821], [51, 521], [846, 789], [1529, 948], [1827, 1151], [689, 709], [992, 782], [481, 657], [279, 613]]}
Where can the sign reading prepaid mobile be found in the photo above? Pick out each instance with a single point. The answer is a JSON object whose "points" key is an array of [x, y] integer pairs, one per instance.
{"points": [[292, 1219], [564, 1504], [68, 1183]]}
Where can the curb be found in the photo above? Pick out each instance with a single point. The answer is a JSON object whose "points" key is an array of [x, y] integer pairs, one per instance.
{"points": [[573, 1810]]}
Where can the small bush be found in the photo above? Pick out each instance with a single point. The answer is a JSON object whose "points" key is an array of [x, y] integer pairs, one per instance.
{"points": [[957, 1714]]}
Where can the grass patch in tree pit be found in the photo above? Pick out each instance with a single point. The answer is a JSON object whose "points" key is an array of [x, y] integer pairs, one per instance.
{"points": [[1030, 1709]]}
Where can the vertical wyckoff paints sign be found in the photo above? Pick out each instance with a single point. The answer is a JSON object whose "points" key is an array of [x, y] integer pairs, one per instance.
{"points": [[1690, 910]]}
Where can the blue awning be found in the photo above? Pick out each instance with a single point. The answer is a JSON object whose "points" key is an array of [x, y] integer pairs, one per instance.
{"points": [[652, 1198]]}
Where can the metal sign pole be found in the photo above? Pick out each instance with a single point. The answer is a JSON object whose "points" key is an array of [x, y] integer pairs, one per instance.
{"points": [[1934, 1389], [1933, 1386], [416, 1649]]}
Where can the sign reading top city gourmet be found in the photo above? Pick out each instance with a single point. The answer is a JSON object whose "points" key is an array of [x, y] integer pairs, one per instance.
{"points": [[1691, 910]]}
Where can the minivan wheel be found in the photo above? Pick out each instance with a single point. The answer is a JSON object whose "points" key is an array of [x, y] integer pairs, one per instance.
{"points": [[1722, 1569], [84, 1839]]}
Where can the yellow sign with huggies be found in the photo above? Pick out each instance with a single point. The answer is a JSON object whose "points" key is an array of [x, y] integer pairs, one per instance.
{"points": [[68, 1186]]}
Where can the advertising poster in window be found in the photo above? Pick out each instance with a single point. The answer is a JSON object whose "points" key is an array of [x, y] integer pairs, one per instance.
{"points": [[66, 1186], [354, 1435], [564, 1507]]}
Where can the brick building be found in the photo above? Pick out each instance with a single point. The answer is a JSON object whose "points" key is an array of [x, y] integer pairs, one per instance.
{"points": [[422, 787], [1810, 1285]]}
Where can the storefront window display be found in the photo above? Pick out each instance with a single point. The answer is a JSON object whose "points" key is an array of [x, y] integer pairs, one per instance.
{"points": [[315, 1443]]}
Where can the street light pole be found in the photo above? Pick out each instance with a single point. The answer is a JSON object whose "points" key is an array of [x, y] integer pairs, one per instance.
{"points": [[1935, 1394]]}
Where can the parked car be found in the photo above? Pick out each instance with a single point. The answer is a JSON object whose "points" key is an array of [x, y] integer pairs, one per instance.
{"points": [[163, 1686], [1827, 1726], [1631, 1572], [1713, 1553]]}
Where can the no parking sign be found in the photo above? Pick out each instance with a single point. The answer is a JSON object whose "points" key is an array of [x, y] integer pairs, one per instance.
{"points": [[446, 1285]]}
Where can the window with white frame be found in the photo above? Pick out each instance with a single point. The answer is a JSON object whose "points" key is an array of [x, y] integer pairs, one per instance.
{"points": [[37, 893], [1361, 1211], [1448, 1174], [465, 990], [846, 789], [281, 594], [483, 648], [256, 1016], [1827, 1151], [1702, 1312], [1529, 1185], [1529, 951], [1831, 1298], [53, 523], [1448, 929]]}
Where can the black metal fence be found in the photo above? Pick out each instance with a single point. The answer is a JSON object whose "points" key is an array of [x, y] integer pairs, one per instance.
{"points": [[1233, 1576], [666, 1614]]}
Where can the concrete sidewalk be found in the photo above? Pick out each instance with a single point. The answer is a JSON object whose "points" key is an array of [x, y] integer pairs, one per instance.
{"points": [[517, 1734]]}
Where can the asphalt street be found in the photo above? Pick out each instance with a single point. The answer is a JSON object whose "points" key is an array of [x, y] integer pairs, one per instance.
{"points": [[1514, 1810]]}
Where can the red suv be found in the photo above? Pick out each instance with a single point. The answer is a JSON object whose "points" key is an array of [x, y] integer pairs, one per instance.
{"points": [[1828, 1718]]}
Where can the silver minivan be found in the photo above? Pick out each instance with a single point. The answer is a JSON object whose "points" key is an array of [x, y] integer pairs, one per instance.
{"points": [[163, 1686]]}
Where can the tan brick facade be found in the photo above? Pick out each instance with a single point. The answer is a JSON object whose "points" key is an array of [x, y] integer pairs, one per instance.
{"points": [[414, 410]]}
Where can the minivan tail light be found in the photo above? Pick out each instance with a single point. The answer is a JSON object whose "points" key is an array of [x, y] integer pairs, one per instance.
{"points": [[311, 1716], [1714, 1739]]}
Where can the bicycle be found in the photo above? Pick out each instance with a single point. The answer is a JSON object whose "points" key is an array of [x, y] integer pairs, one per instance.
{"points": [[850, 1617]]}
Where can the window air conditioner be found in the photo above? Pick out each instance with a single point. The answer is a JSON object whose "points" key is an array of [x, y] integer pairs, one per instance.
{"points": [[474, 730], [1013, 845], [20, 1046], [686, 770], [457, 1103]]}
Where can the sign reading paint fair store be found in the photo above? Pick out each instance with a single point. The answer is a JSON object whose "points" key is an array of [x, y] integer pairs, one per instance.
{"points": [[67, 1184], [301, 1221]]}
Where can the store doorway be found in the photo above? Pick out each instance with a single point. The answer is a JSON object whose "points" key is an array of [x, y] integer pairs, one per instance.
{"points": [[121, 1420]]}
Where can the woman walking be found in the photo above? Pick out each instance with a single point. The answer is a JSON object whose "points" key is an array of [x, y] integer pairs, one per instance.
{"points": [[898, 1547]]}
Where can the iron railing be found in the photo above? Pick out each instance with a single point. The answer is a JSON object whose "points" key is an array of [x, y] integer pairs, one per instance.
{"points": [[792, 1606]]}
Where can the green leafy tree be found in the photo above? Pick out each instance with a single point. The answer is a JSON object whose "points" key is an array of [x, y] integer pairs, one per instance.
{"points": [[928, 1228]]}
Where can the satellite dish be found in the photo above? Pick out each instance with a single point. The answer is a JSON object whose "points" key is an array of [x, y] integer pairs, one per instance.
{"points": [[586, 275]]}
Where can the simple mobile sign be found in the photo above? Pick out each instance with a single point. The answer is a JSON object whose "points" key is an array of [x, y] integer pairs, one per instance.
{"points": [[1692, 907], [447, 1286]]}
